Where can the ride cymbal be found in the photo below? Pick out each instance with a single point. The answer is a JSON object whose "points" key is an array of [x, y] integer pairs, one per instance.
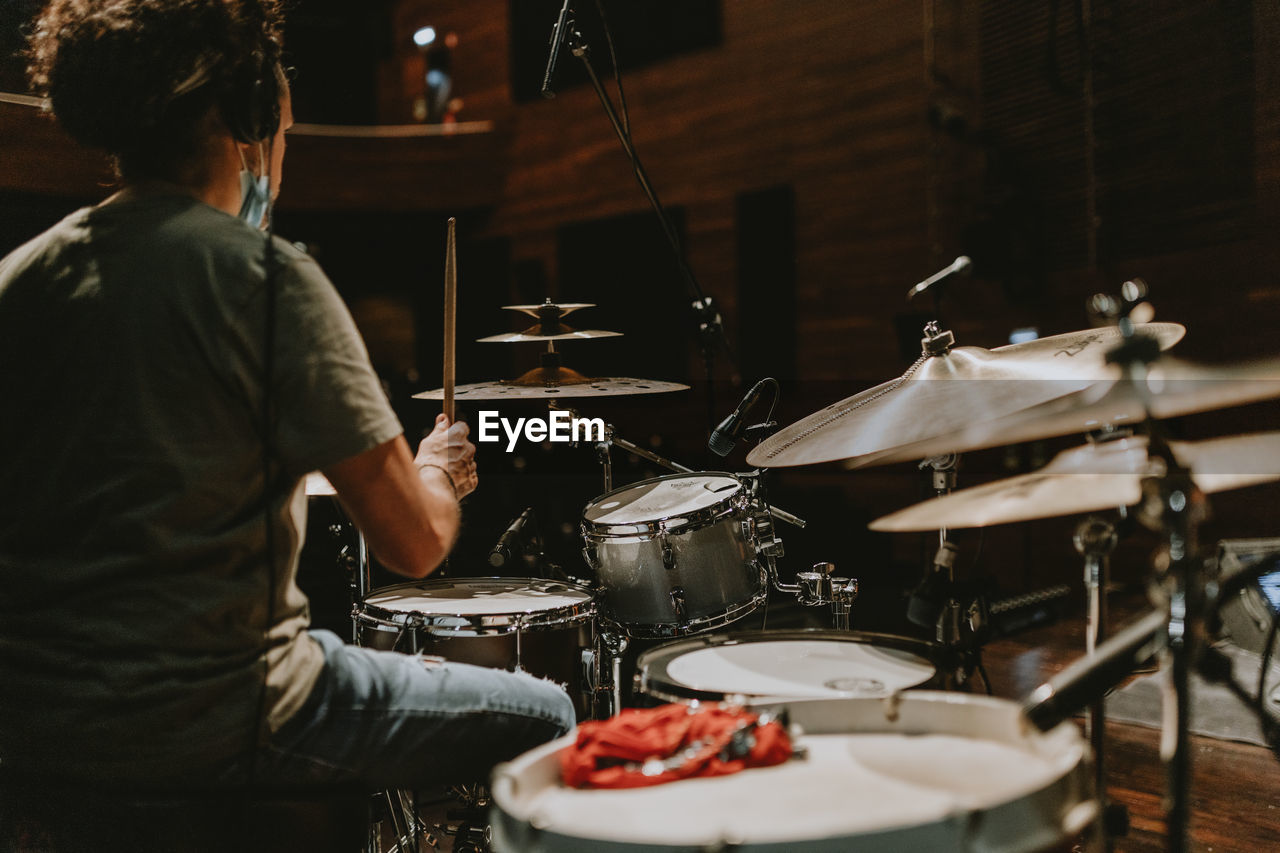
{"points": [[949, 389]]}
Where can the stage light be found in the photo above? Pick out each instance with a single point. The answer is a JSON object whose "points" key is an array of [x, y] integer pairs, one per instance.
{"points": [[424, 36]]}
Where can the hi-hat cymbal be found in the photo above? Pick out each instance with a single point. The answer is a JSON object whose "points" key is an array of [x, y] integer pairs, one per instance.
{"points": [[944, 393], [1093, 477]]}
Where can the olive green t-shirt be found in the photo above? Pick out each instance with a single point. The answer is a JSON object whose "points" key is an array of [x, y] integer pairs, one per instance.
{"points": [[142, 621]]}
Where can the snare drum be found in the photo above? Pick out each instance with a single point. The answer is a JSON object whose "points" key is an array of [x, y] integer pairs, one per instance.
{"points": [[767, 666], [675, 555], [925, 771], [539, 626]]}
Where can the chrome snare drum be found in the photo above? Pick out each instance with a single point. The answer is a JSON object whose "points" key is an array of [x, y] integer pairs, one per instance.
{"points": [[927, 770], [539, 626], [675, 555], [771, 666]]}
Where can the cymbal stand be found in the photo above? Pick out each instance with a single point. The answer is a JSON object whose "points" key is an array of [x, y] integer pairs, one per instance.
{"points": [[1176, 507], [1095, 539], [1173, 506]]}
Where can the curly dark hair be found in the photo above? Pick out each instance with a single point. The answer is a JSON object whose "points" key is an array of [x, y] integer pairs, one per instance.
{"points": [[139, 78]]}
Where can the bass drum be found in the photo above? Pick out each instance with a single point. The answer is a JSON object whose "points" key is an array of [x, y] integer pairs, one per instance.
{"points": [[927, 770], [768, 666]]}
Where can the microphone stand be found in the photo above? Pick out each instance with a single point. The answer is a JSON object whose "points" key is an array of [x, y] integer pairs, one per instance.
{"points": [[711, 334]]}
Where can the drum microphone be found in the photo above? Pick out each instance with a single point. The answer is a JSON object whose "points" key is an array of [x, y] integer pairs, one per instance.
{"points": [[726, 435], [507, 545], [961, 266], [1090, 678], [557, 38]]}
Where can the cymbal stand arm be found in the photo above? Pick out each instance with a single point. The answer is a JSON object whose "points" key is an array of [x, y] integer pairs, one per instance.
{"points": [[712, 335], [943, 480]]}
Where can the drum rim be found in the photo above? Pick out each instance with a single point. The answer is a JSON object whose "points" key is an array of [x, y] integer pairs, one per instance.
{"points": [[1062, 801], [732, 504], [652, 677], [444, 624]]}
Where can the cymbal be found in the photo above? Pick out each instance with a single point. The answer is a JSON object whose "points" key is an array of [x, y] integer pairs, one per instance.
{"points": [[563, 308], [534, 334], [554, 382], [548, 327], [1172, 388], [318, 485], [942, 394], [1093, 477]]}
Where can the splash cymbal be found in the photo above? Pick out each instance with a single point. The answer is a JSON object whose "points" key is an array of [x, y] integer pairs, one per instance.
{"points": [[947, 390], [1091, 478]]}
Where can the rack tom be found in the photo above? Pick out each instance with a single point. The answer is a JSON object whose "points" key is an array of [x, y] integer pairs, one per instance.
{"points": [[675, 555]]}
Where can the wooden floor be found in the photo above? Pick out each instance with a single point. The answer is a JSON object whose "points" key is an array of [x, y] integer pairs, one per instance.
{"points": [[1235, 787]]}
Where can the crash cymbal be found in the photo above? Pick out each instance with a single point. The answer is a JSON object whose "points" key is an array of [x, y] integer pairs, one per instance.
{"points": [[561, 333], [1093, 477], [948, 390], [318, 485], [1172, 388]]}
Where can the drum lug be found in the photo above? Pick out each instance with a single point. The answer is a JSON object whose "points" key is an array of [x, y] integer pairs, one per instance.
{"points": [[678, 602], [668, 553], [591, 555]]}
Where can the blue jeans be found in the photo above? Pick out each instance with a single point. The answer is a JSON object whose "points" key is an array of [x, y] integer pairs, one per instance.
{"points": [[391, 720]]}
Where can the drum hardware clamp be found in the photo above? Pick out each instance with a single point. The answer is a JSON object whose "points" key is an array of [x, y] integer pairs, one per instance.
{"points": [[819, 586]]}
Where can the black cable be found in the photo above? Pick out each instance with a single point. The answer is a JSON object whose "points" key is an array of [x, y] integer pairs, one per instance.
{"points": [[617, 73]]}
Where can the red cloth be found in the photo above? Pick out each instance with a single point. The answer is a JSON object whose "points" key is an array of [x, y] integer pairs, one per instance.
{"points": [[611, 753]]}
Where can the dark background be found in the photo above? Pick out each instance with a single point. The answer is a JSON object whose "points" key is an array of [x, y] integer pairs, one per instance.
{"points": [[817, 158]]}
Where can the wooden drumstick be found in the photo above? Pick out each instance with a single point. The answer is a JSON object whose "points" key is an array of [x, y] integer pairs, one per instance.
{"points": [[450, 315]]}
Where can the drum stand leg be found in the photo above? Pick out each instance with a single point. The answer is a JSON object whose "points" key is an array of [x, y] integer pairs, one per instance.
{"points": [[363, 580], [1094, 540], [613, 645]]}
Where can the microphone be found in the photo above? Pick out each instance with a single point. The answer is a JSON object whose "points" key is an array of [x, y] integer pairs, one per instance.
{"points": [[726, 435], [961, 266], [507, 545], [557, 37], [1089, 678]]}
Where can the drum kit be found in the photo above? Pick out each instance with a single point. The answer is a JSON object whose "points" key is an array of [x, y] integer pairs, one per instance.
{"points": [[673, 560]]}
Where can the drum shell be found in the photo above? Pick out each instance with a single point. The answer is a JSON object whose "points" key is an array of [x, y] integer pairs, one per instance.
{"points": [[708, 560], [549, 645]]}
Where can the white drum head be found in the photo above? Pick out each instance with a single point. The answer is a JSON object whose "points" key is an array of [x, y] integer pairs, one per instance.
{"points": [[800, 669], [479, 597], [911, 783], [665, 497]]}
